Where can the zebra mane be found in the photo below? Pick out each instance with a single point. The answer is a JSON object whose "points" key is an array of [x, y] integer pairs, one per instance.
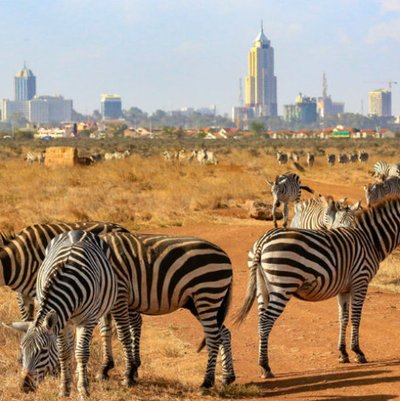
{"points": [[6, 237], [42, 310], [381, 204]]}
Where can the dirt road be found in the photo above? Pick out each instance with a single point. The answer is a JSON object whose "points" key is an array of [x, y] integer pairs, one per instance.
{"points": [[303, 342]]}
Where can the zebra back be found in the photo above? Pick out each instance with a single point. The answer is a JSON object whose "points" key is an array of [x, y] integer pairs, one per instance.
{"points": [[379, 190]]}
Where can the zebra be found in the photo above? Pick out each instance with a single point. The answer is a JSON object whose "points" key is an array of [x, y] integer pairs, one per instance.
{"points": [[331, 159], [353, 157], [378, 190], [286, 188], [343, 158], [75, 284], [32, 157], [383, 170], [21, 257], [158, 274], [310, 159], [294, 156], [315, 265], [362, 156], [323, 213], [281, 158], [203, 156]]}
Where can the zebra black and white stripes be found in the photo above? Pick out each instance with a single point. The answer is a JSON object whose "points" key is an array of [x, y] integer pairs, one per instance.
{"points": [[286, 188], [158, 274], [378, 190], [75, 284], [317, 265], [384, 170]]}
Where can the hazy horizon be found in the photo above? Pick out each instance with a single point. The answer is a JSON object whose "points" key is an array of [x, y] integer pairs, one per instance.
{"points": [[183, 53]]}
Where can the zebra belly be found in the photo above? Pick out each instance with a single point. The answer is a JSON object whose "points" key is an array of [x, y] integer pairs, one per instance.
{"points": [[313, 291]]}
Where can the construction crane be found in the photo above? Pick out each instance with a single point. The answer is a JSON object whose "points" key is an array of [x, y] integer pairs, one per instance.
{"points": [[389, 83]]}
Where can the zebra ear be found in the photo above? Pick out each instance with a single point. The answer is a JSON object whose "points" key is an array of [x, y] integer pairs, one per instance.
{"points": [[356, 206], [269, 182], [18, 326], [50, 321]]}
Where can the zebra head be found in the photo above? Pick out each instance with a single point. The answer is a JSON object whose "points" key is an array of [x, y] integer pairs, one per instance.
{"points": [[39, 350], [346, 215]]}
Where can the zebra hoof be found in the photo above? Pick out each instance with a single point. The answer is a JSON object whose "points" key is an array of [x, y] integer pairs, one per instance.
{"points": [[266, 373], [360, 358], [207, 383], [344, 359], [228, 380]]}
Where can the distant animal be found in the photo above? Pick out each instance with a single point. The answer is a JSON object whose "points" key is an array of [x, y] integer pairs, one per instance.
{"points": [[281, 158], [323, 213], [315, 265], [286, 188], [362, 156], [331, 158], [32, 157], [167, 156], [378, 190], [310, 159], [116, 155], [353, 157], [343, 158], [295, 157], [97, 157], [76, 284], [179, 156], [203, 156], [85, 160]]}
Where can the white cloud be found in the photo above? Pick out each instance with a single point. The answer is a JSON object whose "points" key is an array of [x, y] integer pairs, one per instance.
{"points": [[384, 31], [390, 5]]}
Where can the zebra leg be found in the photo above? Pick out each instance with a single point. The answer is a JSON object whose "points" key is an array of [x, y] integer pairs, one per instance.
{"points": [[65, 355], [106, 340], [135, 320], [121, 317], [274, 205], [266, 320], [228, 373], [84, 336], [357, 302], [343, 303], [213, 340]]}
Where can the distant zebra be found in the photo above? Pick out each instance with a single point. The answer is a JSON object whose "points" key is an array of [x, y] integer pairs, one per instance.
{"points": [[285, 188], [331, 159], [158, 274], [384, 170], [21, 257], [310, 159], [362, 156], [76, 284], [32, 157], [295, 157], [353, 157], [203, 156], [378, 190], [323, 213], [281, 158], [317, 265], [343, 158]]}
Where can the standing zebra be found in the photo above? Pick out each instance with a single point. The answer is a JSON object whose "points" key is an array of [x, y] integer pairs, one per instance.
{"points": [[317, 265], [362, 156], [285, 188], [281, 158], [343, 158], [323, 213], [76, 284], [378, 190], [310, 159], [21, 257], [158, 274], [384, 170], [331, 159]]}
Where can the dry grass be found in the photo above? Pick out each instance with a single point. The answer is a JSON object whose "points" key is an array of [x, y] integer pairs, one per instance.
{"points": [[144, 192]]}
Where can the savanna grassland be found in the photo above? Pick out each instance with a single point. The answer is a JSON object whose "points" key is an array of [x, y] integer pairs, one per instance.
{"points": [[145, 193]]}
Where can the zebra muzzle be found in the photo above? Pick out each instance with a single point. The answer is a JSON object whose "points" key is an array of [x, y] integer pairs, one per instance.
{"points": [[28, 383]]}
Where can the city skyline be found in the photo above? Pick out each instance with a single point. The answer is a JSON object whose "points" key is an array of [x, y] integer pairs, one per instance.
{"points": [[186, 53]]}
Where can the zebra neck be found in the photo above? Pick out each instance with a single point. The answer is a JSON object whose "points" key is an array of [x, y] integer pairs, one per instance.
{"points": [[5, 268]]}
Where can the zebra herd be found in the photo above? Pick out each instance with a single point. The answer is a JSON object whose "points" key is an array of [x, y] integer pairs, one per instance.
{"points": [[342, 158], [87, 273], [82, 272], [202, 156]]}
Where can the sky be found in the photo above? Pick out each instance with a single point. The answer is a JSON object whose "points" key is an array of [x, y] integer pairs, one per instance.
{"points": [[169, 54]]}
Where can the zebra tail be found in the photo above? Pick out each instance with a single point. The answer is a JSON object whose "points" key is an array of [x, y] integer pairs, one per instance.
{"points": [[221, 315], [306, 188]]}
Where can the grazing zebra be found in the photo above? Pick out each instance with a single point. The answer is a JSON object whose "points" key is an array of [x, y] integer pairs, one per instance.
{"points": [[343, 158], [331, 158], [158, 274], [316, 265], [323, 213], [362, 156], [281, 158], [21, 257], [310, 159], [384, 170], [32, 157], [378, 190], [76, 284], [353, 157], [285, 188]]}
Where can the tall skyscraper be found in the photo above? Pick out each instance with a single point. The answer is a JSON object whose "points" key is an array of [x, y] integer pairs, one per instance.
{"points": [[111, 107], [380, 103], [261, 82], [24, 85]]}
